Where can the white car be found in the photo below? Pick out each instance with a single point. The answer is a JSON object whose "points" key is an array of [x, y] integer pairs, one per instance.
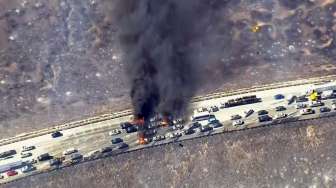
{"points": [[177, 127], [31, 161], [237, 122], [177, 134], [70, 151], [174, 134], [27, 148], [92, 154], [25, 155], [114, 132], [177, 121], [316, 104], [280, 116], [306, 111], [169, 135], [333, 106], [202, 109], [159, 138], [27, 168]]}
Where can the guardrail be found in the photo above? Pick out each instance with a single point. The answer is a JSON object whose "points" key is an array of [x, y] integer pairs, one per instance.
{"points": [[264, 87], [114, 115]]}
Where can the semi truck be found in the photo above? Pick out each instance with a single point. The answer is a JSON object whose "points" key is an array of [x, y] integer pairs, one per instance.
{"points": [[241, 101]]}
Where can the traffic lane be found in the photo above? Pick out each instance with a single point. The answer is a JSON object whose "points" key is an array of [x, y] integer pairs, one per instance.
{"points": [[46, 140], [43, 140], [198, 134], [88, 143], [277, 102], [58, 145], [291, 89], [266, 94], [267, 100], [134, 145], [37, 141], [53, 142], [253, 118], [203, 134], [226, 113]]}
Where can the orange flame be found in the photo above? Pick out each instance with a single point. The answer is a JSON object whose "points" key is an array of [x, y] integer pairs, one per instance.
{"points": [[139, 121], [141, 138], [165, 121]]}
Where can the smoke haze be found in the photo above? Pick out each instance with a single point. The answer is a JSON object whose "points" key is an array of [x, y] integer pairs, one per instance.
{"points": [[174, 49], [156, 36]]}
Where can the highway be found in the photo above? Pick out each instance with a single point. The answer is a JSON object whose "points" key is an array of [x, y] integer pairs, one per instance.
{"points": [[94, 136]]}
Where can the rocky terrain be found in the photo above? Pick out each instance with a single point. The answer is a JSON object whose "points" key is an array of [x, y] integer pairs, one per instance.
{"points": [[60, 60], [300, 154]]}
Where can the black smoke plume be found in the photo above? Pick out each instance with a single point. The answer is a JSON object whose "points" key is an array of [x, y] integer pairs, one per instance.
{"points": [[156, 36]]}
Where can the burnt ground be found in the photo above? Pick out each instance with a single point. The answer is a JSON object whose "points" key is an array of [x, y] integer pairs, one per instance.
{"points": [[60, 60], [299, 154]]}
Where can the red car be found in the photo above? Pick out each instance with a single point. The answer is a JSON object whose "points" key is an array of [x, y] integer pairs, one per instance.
{"points": [[12, 173]]}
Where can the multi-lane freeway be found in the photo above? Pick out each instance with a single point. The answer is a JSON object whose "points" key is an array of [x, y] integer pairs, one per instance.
{"points": [[90, 138]]}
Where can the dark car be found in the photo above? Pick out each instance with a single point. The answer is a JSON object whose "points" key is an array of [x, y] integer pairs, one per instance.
{"points": [[125, 125], [116, 140], [324, 109], [301, 99], [7, 153], [76, 156], [214, 109], [249, 112], [44, 157], [56, 134], [106, 149], [123, 146], [194, 125], [189, 131], [150, 132], [279, 96], [235, 117], [205, 128], [264, 118], [215, 124], [280, 108], [55, 162], [262, 112], [131, 129], [333, 101]]}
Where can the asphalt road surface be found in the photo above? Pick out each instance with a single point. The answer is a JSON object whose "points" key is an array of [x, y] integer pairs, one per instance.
{"points": [[95, 136]]}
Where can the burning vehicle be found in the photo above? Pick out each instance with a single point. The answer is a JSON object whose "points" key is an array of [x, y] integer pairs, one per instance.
{"points": [[147, 129]]}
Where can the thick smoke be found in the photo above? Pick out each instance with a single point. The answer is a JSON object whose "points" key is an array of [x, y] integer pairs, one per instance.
{"points": [[156, 37], [174, 47]]}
